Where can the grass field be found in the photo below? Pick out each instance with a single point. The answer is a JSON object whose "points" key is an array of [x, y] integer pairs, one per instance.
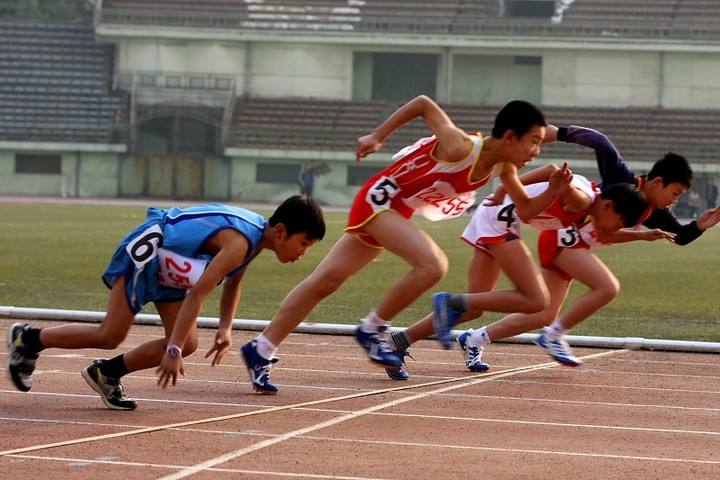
{"points": [[53, 255]]}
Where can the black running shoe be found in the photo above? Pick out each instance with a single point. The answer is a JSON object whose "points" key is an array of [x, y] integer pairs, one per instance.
{"points": [[110, 389], [20, 362]]}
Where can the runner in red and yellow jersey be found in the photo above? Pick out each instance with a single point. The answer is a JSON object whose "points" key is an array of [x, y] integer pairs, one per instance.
{"points": [[436, 176]]}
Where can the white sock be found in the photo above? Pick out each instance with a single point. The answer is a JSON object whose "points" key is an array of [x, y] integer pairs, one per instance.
{"points": [[371, 323], [265, 347], [480, 338], [555, 330]]}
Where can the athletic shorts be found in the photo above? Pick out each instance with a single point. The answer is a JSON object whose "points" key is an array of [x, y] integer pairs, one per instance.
{"points": [[141, 279], [491, 226], [552, 242]]}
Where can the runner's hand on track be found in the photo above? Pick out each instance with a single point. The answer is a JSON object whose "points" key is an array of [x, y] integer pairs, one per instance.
{"points": [[169, 369], [223, 342]]}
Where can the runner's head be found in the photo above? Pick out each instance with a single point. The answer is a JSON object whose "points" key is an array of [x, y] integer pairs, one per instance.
{"points": [[521, 128], [619, 206], [297, 224], [667, 180]]}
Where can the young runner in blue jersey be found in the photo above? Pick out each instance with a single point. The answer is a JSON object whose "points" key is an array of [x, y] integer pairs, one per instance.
{"points": [[174, 259]]}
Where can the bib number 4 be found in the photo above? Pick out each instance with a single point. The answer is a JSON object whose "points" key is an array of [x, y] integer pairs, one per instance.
{"points": [[507, 215]]}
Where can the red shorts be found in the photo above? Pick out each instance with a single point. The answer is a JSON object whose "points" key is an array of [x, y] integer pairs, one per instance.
{"points": [[483, 244], [550, 244]]}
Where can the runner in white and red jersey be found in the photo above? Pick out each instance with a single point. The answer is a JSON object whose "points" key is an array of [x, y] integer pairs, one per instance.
{"points": [[435, 176], [494, 229], [565, 255]]}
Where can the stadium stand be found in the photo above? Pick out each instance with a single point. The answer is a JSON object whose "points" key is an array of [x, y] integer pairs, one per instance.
{"points": [[688, 19], [642, 134], [55, 85]]}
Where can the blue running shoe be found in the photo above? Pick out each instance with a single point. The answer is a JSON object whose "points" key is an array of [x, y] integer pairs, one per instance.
{"points": [[445, 317], [558, 350], [20, 362], [377, 347], [473, 355], [400, 373], [258, 368]]}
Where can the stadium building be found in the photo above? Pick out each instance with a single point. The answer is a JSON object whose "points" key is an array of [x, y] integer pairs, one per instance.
{"points": [[227, 99]]}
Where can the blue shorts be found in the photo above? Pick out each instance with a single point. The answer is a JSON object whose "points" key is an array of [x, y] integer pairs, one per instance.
{"points": [[141, 274]]}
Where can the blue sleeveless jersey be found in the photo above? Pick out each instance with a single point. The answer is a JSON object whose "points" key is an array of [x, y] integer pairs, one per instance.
{"points": [[182, 231]]}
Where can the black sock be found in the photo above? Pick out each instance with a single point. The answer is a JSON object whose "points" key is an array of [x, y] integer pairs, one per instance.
{"points": [[31, 340], [115, 367], [400, 340], [458, 302]]}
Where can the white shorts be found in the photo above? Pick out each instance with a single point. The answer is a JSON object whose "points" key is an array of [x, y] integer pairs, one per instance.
{"points": [[491, 225]]}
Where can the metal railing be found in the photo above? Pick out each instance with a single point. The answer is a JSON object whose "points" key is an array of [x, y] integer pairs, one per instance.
{"points": [[245, 20]]}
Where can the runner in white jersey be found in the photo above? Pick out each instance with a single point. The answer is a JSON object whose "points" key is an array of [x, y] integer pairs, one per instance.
{"points": [[494, 231]]}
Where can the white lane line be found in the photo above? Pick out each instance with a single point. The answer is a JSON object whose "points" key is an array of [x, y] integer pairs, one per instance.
{"points": [[604, 386], [380, 442], [350, 416], [497, 397], [175, 467], [584, 402], [523, 450], [96, 438], [413, 415]]}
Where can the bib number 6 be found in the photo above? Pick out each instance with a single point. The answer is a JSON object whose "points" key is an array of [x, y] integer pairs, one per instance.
{"points": [[145, 246], [383, 192]]}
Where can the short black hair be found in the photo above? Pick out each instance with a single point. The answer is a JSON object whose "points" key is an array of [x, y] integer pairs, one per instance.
{"points": [[672, 168], [300, 214], [628, 201], [519, 116]]}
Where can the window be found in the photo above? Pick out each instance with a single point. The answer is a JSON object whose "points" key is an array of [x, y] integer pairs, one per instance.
{"points": [[173, 81], [197, 82], [38, 163], [530, 8], [521, 60], [277, 173], [357, 175]]}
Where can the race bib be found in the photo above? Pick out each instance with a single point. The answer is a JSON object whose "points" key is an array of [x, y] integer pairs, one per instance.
{"points": [[380, 195], [440, 201], [568, 237], [145, 246], [177, 271], [590, 236]]}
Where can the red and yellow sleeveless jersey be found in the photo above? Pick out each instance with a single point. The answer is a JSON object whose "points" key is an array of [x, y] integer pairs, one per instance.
{"points": [[417, 181]]}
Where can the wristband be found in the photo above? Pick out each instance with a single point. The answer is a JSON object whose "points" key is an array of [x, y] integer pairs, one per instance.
{"points": [[173, 350]]}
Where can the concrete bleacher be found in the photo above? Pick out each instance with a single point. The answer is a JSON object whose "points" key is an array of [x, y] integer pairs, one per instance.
{"points": [[621, 18], [55, 85], [641, 134]]}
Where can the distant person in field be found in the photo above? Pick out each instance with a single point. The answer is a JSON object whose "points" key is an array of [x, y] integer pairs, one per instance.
{"points": [[712, 193], [436, 176], [565, 254], [306, 180], [174, 259]]}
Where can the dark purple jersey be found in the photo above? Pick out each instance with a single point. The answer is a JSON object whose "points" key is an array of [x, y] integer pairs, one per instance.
{"points": [[613, 169]]}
